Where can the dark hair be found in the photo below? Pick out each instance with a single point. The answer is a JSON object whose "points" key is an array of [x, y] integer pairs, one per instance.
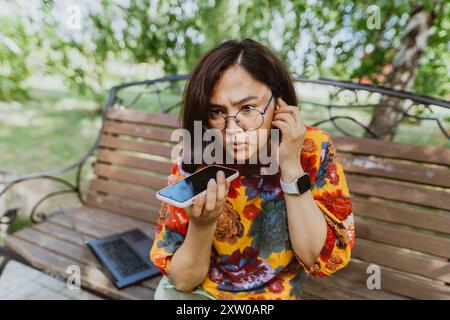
{"points": [[254, 57]]}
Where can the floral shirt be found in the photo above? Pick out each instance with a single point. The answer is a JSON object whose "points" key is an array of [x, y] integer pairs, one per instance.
{"points": [[251, 256]]}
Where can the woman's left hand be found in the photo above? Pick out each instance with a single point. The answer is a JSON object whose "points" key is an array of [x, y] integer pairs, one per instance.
{"points": [[288, 119]]}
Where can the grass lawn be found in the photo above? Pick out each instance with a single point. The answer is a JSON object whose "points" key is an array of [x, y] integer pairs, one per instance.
{"points": [[48, 132]]}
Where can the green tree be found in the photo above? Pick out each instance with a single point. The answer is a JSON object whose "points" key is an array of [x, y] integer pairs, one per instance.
{"points": [[314, 38], [14, 51]]}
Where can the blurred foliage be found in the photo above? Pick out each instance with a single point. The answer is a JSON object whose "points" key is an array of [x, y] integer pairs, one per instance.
{"points": [[314, 38], [13, 55]]}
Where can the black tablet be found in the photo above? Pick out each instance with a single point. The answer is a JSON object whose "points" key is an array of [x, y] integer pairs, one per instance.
{"points": [[125, 257]]}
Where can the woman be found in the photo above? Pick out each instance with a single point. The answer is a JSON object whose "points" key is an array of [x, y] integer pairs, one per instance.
{"points": [[249, 239]]}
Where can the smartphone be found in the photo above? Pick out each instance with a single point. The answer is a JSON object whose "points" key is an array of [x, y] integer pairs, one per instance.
{"points": [[182, 193]]}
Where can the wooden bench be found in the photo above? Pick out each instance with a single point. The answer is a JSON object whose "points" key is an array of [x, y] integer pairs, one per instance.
{"points": [[400, 195], [400, 192]]}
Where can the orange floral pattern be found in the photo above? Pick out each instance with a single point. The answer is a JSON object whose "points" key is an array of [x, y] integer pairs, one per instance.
{"points": [[251, 255], [229, 227]]}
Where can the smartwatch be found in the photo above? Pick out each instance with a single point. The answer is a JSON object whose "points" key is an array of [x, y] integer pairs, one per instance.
{"points": [[300, 185]]}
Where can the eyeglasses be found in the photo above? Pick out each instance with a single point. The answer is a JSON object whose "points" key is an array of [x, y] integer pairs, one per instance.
{"points": [[249, 118]]}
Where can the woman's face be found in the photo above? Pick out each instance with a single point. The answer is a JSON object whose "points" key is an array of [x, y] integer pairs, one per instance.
{"points": [[237, 90]]}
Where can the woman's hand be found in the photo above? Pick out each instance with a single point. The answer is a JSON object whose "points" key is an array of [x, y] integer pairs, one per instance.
{"points": [[206, 209], [191, 261], [288, 119]]}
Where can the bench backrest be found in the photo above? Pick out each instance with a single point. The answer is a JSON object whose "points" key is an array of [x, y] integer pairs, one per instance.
{"points": [[133, 162], [401, 197]]}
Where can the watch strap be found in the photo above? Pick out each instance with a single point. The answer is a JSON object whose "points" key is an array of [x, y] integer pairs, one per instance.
{"points": [[299, 185]]}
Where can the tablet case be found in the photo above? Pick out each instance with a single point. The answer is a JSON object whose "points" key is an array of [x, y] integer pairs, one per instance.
{"points": [[125, 257]]}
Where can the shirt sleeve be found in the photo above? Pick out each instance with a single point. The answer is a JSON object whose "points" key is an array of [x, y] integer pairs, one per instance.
{"points": [[170, 230], [331, 193]]}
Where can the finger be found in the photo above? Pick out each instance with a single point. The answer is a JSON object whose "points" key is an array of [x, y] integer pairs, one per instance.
{"points": [[172, 179], [283, 126], [220, 187], [197, 207], [210, 201], [290, 124], [227, 187], [281, 103], [289, 109], [286, 117], [295, 111]]}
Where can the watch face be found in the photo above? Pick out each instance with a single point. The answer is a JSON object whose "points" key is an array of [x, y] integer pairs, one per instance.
{"points": [[304, 183]]}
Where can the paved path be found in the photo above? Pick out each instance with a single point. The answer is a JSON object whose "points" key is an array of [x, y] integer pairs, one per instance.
{"points": [[19, 282]]}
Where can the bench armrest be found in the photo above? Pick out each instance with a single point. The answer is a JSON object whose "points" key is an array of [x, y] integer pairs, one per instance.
{"points": [[51, 175]]}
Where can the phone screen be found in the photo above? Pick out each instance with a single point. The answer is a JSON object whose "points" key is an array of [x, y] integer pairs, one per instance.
{"points": [[196, 183]]}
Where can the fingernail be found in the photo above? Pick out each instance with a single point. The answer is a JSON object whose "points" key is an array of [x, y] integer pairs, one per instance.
{"points": [[211, 181]]}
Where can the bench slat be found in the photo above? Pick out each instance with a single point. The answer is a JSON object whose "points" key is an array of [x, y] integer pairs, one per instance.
{"points": [[98, 222], [123, 206], [63, 233], [426, 266], [140, 178], [103, 225], [396, 171], [309, 296], [46, 241], [78, 225], [390, 212], [142, 117], [339, 288], [89, 228], [130, 145], [125, 191], [324, 292], [50, 238], [400, 237], [92, 278], [399, 192], [426, 154], [396, 282], [151, 165], [140, 131], [92, 223]]}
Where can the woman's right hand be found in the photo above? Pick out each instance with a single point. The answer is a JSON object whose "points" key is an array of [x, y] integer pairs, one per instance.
{"points": [[205, 210]]}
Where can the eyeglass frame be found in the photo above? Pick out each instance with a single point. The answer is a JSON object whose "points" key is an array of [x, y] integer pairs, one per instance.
{"points": [[262, 113]]}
